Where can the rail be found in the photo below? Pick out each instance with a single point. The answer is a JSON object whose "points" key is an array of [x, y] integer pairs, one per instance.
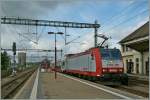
{"points": [[10, 87]]}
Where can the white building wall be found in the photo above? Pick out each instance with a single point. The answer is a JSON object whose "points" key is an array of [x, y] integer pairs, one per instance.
{"points": [[132, 54], [137, 55], [145, 58], [124, 61]]}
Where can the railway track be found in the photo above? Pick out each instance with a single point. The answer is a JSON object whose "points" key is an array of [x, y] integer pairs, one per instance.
{"points": [[134, 91], [134, 80], [135, 86], [11, 87]]}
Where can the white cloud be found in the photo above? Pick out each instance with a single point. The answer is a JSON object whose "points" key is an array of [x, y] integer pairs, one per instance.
{"points": [[49, 10]]}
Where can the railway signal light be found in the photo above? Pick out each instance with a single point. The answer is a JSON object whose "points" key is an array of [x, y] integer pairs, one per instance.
{"points": [[14, 52]]}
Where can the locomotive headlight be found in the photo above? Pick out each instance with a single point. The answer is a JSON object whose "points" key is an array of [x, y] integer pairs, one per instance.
{"points": [[98, 75], [111, 62], [104, 70], [120, 70]]}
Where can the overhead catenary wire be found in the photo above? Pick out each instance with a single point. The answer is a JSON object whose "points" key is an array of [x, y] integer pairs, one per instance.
{"points": [[123, 22], [127, 20], [19, 33], [121, 12], [15, 31], [27, 38], [78, 37], [4, 11], [40, 35]]}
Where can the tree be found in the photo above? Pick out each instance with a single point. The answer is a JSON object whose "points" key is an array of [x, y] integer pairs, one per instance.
{"points": [[5, 61]]}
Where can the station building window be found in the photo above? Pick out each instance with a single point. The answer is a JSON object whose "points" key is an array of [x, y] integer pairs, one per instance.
{"points": [[137, 65], [147, 66], [127, 48], [123, 48], [127, 63], [127, 66]]}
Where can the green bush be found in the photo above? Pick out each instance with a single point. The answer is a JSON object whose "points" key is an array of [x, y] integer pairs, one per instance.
{"points": [[5, 61]]}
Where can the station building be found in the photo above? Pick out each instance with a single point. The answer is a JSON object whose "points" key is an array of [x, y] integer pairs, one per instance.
{"points": [[22, 58], [135, 51]]}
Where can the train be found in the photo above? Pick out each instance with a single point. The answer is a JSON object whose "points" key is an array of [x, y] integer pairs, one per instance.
{"points": [[45, 63], [97, 64]]}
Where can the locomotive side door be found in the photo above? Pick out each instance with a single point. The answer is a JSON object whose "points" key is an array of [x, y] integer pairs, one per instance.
{"points": [[92, 66], [89, 63]]}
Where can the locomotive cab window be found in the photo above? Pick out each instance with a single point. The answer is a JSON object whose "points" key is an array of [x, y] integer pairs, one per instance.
{"points": [[110, 53], [115, 54], [105, 53]]}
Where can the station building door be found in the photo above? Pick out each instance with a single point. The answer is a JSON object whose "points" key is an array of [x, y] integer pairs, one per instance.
{"points": [[137, 65], [130, 65]]}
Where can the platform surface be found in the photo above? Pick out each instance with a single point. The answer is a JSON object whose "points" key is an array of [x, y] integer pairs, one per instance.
{"points": [[45, 86], [71, 88]]}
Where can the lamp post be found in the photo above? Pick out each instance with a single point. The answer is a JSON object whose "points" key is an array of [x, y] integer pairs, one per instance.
{"points": [[55, 50]]}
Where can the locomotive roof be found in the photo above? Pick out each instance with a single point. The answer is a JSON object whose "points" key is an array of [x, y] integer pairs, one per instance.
{"points": [[85, 52], [77, 54]]}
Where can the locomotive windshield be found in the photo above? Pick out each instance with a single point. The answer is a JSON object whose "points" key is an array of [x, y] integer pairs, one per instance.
{"points": [[110, 54]]}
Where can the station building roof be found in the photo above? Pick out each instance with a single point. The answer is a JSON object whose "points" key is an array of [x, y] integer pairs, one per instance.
{"points": [[139, 39], [139, 33]]}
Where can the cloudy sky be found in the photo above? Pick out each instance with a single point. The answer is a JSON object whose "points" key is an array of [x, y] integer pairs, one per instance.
{"points": [[117, 18]]}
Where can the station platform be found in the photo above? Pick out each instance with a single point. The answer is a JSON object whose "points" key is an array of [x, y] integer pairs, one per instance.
{"points": [[68, 87], [65, 88]]}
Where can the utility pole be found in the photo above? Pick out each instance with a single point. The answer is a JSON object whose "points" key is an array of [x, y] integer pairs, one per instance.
{"points": [[65, 36], [61, 54], [55, 57], [65, 41], [95, 35], [14, 53]]}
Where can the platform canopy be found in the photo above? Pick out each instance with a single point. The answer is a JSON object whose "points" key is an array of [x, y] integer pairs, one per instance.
{"points": [[141, 46], [139, 39]]}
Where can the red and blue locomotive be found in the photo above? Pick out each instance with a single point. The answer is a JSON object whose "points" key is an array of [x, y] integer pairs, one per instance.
{"points": [[97, 64]]}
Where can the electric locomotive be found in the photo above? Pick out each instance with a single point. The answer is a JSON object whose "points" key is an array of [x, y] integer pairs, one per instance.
{"points": [[97, 64]]}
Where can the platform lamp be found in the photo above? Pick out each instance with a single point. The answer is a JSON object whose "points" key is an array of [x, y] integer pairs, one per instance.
{"points": [[60, 33]]}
